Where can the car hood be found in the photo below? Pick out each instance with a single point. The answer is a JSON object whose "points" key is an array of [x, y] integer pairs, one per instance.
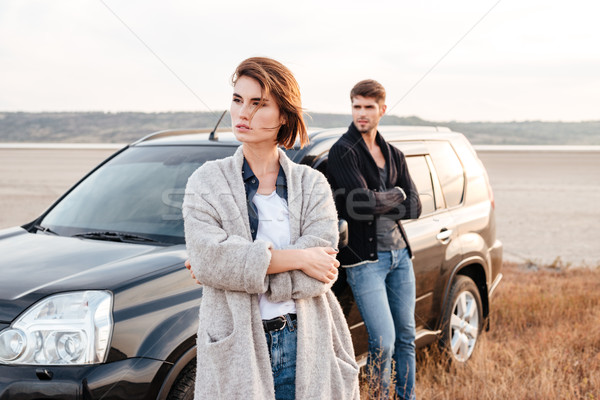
{"points": [[33, 266]]}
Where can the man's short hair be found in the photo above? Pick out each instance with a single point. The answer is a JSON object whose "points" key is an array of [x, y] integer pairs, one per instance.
{"points": [[369, 88]]}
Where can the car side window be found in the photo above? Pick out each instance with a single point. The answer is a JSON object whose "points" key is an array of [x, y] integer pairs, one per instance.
{"points": [[450, 171], [419, 172]]}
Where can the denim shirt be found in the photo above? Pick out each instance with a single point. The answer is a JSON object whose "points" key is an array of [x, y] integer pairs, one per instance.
{"points": [[251, 184]]}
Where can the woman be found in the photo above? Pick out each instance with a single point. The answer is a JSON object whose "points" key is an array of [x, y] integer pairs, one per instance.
{"points": [[261, 233]]}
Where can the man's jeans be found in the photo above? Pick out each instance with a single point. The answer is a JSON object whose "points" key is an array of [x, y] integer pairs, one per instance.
{"points": [[385, 296], [282, 350]]}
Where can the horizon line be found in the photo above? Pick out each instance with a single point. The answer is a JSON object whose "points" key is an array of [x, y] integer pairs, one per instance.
{"points": [[308, 113]]}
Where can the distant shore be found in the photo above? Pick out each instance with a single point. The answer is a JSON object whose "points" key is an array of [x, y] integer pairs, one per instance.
{"points": [[478, 147], [547, 201], [125, 127]]}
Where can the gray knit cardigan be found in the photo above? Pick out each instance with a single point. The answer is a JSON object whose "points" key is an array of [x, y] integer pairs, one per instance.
{"points": [[232, 354]]}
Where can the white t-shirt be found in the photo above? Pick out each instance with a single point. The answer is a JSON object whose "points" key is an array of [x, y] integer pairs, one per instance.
{"points": [[274, 227]]}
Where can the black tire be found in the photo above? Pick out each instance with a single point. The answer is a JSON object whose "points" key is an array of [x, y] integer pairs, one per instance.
{"points": [[183, 388], [462, 320]]}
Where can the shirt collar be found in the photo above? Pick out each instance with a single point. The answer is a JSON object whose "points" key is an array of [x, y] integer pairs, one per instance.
{"points": [[358, 138], [280, 183], [247, 172]]}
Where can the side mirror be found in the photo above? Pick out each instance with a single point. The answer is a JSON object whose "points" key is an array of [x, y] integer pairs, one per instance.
{"points": [[343, 229]]}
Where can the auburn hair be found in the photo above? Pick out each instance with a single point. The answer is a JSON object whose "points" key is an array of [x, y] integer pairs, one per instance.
{"points": [[369, 88], [278, 81]]}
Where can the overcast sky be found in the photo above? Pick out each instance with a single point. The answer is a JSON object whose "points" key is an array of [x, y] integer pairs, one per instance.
{"points": [[445, 60]]}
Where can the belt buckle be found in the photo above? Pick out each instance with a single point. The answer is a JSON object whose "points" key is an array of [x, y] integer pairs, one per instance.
{"points": [[284, 323]]}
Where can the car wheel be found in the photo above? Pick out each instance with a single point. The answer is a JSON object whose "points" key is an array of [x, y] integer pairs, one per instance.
{"points": [[183, 388], [463, 319]]}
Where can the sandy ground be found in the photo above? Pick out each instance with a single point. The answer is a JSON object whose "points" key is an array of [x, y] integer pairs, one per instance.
{"points": [[547, 203], [31, 180]]}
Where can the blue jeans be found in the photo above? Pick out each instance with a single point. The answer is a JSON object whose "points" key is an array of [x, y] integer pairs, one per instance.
{"points": [[282, 351], [385, 296]]}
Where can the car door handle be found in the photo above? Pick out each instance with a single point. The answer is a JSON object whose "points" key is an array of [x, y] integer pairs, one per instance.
{"points": [[444, 235]]}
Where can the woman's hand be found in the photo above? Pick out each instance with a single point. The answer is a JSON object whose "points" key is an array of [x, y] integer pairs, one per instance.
{"points": [[317, 262], [320, 263], [189, 267]]}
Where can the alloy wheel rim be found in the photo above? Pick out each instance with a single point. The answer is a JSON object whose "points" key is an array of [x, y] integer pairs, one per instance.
{"points": [[464, 326]]}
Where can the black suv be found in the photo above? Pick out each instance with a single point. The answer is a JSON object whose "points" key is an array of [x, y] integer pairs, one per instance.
{"points": [[95, 301]]}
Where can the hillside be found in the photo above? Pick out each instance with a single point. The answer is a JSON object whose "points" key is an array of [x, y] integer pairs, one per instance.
{"points": [[100, 127]]}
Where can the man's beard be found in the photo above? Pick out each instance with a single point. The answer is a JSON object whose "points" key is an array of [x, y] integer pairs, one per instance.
{"points": [[366, 129]]}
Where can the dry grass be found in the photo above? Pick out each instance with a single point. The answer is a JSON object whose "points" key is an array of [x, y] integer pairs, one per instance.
{"points": [[544, 342], [370, 381]]}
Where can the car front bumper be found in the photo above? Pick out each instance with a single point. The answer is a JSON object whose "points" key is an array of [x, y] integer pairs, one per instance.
{"points": [[134, 378]]}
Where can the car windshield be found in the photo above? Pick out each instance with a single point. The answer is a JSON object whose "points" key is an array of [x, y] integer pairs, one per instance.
{"points": [[139, 192]]}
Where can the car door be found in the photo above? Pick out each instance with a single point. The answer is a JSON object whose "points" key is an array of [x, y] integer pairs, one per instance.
{"points": [[430, 236]]}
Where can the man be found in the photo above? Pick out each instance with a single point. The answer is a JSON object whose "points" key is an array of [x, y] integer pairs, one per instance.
{"points": [[374, 191]]}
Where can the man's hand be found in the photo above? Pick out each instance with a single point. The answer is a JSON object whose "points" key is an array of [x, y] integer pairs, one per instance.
{"points": [[189, 267], [402, 191]]}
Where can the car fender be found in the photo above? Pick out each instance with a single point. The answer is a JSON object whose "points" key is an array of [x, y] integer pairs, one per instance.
{"points": [[474, 245], [166, 339], [476, 261], [174, 372]]}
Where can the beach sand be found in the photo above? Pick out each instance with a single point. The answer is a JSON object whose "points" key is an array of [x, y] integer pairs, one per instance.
{"points": [[31, 180], [547, 203]]}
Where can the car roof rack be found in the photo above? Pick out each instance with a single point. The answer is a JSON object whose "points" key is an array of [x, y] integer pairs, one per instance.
{"points": [[213, 136], [325, 132], [171, 132], [414, 128]]}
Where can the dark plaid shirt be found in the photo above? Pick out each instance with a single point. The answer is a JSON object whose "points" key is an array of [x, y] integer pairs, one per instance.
{"points": [[251, 183]]}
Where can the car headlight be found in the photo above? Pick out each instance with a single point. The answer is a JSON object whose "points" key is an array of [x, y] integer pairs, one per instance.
{"points": [[70, 328]]}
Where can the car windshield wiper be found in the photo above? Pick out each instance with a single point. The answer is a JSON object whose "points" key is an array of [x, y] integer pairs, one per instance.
{"points": [[116, 237], [44, 229]]}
